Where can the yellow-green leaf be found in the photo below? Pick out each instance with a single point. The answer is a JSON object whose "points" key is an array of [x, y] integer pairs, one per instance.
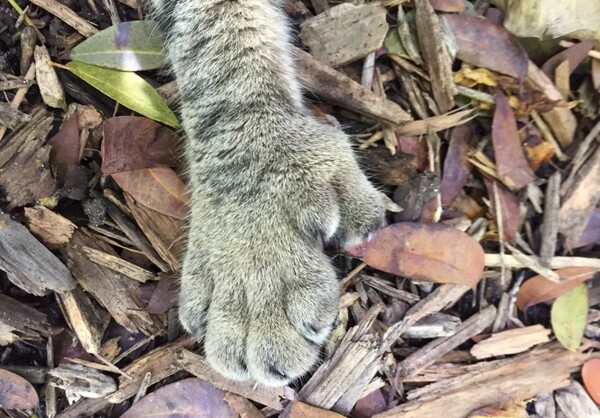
{"points": [[569, 316], [128, 89], [128, 46]]}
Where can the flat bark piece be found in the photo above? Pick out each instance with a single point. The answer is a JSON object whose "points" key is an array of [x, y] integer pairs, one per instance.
{"points": [[197, 365], [116, 292], [10, 117], [574, 402], [51, 228], [345, 33], [341, 90], [83, 381], [519, 378], [20, 322], [119, 265], [581, 201], [513, 341], [87, 320], [436, 55], [165, 233], [28, 264], [24, 162], [355, 360]]}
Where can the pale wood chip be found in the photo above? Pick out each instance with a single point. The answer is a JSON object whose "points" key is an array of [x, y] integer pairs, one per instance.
{"points": [[82, 381], [511, 342], [436, 123], [574, 402], [51, 228]]}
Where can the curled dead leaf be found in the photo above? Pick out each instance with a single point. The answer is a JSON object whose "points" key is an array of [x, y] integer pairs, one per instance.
{"points": [[539, 289], [424, 252]]}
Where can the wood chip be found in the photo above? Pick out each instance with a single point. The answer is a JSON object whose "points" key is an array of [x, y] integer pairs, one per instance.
{"points": [[11, 117], [243, 406], [437, 348], [119, 265], [574, 402], [117, 293], [20, 322], [511, 342], [436, 55], [581, 201], [302, 410], [68, 16], [51, 228], [36, 271], [341, 90], [25, 162], [518, 378], [549, 228], [82, 381], [345, 33], [86, 319]]}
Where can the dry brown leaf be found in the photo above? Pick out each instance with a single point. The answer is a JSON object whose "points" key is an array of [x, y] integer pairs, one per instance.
{"points": [[483, 43], [513, 168], [509, 209], [448, 6], [539, 289], [157, 188], [16, 392], [424, 252], [133, 143], [575, 55], [189, 397], [436, 123], [50, 88], [456, 165]]}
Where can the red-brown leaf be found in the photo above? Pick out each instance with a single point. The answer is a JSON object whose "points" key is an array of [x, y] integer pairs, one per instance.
{"points": [[425, 252], [66, 143], [456, 165], [133, 143], [485, 44], [575, 54], [509, 209], [416, 146], [164, 296], [186, 398], [157, 188], [539, 289], [511, 163], [16, 392], [590, 374]]}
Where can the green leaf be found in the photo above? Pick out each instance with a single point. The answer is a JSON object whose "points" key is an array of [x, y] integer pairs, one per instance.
{"points": [[128, 46], [128, 89], [569, 316], [393, 44]]}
